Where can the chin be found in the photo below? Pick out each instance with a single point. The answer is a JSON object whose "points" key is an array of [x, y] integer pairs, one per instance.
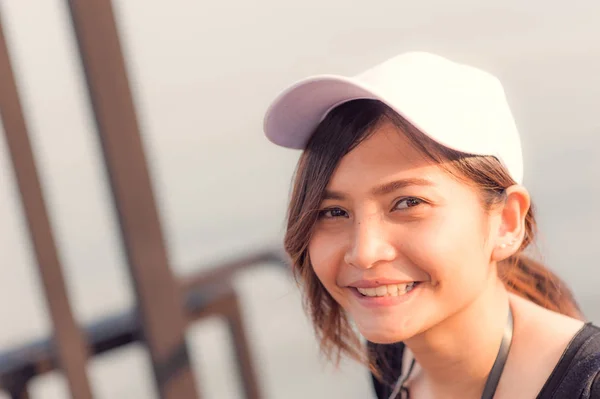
{"points": [[385, 334], [383, 339]]}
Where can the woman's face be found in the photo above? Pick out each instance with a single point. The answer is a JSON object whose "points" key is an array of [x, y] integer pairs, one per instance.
{"points": [[400, 244]]}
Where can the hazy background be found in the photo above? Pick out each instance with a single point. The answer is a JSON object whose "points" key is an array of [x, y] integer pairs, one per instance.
{"points": [[203, 73]]}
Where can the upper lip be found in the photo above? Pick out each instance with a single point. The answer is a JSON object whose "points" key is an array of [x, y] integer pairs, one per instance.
{"points": [[377, 282]]}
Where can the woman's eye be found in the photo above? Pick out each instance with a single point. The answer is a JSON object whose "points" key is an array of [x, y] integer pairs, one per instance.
{"points": [[406, 203], [332, 213]]}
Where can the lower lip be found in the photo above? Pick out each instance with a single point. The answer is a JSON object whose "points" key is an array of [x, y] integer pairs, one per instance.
{"points": [[384, 301]]}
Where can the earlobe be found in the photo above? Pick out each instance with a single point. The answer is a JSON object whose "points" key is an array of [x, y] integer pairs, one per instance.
{"points": [[511, 243], [511, 230]]}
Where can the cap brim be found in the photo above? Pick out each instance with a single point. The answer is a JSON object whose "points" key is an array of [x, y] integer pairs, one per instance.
{"points": [[295, 113]]}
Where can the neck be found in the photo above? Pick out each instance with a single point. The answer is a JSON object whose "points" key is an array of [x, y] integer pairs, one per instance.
{"points": [[456, 356]]}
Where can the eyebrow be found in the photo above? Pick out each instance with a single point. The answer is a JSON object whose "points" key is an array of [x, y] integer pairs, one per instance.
{"points": [[383, 189]]}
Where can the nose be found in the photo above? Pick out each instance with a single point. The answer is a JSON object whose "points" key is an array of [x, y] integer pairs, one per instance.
{"points": [[370, 244]]}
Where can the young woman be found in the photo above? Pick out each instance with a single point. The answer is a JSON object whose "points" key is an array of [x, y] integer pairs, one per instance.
{"points": [[407, 226]]}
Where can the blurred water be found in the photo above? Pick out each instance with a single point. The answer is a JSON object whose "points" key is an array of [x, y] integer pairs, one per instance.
{"points": [[202, 74]]}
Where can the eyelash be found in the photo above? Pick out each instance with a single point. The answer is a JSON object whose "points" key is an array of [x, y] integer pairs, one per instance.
{"points": [[418, 201]]}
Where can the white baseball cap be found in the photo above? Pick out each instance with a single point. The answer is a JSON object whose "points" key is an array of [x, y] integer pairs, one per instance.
{"points": [[456, 105]]}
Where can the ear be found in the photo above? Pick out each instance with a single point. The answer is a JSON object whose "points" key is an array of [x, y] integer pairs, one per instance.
{"points": [[511, 229]]}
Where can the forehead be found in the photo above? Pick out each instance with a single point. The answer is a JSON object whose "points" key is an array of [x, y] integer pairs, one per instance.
{"points": [[386, 153]]}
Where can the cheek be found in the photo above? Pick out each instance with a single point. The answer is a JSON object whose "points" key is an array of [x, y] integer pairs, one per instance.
{"points": [[450, 249], [326, 256]]}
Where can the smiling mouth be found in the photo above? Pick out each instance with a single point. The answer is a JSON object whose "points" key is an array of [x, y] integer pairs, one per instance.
{"points": [[388, 290]]}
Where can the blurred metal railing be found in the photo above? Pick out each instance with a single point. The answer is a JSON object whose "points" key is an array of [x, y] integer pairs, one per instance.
{"points": [[206, 294], [164, 306]]}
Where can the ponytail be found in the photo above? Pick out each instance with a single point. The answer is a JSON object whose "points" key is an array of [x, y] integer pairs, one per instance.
{"points": [[531, 280]]}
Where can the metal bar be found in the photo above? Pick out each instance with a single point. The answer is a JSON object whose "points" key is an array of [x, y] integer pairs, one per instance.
{"points": [[159, 298], [207, 294], [226, 271], [21, 365], [242, 349], [69, 340], [229, 307]]}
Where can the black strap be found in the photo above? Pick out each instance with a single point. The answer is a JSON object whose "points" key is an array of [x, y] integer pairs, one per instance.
{"points": [[492, 382], [493, 378]]}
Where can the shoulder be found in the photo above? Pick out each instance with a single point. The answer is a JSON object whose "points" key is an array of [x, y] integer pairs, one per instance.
{"points": [[577, 375], [541, 338]]}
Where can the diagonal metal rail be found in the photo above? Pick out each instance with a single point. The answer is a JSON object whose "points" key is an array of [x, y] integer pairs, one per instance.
{"points": [[159, 299], [68, 339]]}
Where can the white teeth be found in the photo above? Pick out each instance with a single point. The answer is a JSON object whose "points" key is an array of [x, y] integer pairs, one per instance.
{"points": [[387, 290]]}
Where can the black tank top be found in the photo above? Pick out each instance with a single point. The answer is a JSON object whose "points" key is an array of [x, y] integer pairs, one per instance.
{"points": [[576, 375]]}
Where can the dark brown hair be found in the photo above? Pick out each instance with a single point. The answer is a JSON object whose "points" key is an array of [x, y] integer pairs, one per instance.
{"points": [[342, 130]]}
